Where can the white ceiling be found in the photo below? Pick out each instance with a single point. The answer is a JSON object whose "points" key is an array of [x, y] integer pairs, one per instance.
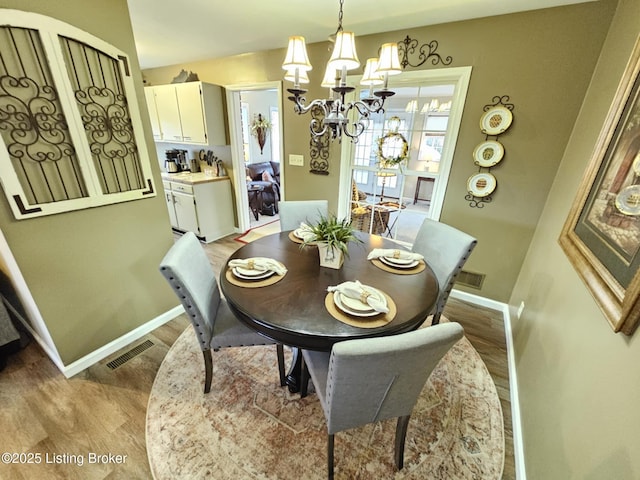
{"points": [[170, 32]]}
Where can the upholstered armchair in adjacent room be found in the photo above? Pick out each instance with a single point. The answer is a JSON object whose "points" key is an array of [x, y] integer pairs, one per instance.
{"points": [[267, 176]]}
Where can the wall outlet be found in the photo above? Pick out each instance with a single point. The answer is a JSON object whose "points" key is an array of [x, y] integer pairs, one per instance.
{"points": [[297, 160], [520, 309]]}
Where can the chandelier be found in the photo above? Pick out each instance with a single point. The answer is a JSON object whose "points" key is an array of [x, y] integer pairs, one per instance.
{"points": [[336, 111]]}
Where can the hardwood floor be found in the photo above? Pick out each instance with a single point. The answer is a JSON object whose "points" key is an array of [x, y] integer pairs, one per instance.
{"points": [[60, 422]]}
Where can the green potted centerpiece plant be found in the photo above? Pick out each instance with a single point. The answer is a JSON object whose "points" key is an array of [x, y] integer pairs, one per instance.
{"points": [[332, 236]]}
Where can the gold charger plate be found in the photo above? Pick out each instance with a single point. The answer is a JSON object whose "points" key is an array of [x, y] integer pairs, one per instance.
{"points": [[295, 239], [362, 322]]}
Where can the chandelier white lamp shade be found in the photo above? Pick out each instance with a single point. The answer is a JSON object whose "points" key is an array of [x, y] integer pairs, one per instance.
{"points": [[296, 58], [343, 58], [330, 78], [371, 76]]}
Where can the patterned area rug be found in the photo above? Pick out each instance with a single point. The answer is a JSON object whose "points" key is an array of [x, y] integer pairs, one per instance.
{"points": [[248, 427]]}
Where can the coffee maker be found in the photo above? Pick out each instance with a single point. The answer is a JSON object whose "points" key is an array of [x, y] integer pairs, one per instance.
{"points": [[176, 160]]}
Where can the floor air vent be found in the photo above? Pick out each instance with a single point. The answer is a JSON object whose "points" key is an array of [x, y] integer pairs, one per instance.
{"points": [[470, 279], [125, 357]]}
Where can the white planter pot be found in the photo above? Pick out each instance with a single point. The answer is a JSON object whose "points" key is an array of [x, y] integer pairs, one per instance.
{"points": [[330, 257]]}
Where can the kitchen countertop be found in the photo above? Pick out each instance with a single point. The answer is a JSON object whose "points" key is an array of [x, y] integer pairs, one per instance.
{"points": [[191, 178]]}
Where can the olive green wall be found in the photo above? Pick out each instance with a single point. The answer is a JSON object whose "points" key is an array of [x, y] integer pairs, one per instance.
{"points": [[542, 59], [94, 273], [579, 382]]}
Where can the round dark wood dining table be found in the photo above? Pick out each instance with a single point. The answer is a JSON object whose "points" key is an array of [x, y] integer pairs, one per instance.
{"points": [[292, 311]]}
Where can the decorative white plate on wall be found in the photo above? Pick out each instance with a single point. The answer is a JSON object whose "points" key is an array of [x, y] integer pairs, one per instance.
{"points": [[496, 120], [481, 184], [488, 153]]}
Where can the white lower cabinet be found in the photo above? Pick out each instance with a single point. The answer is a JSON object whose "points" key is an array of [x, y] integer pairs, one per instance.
{"points": [[186, 213], [202, 208]]}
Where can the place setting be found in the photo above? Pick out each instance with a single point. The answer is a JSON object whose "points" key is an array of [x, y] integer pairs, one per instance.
{"points": [[302, 234], [397, 261], [255, 272], [360, 305]]}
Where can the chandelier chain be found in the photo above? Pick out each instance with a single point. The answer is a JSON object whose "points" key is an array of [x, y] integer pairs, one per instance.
{"points": [[340, 17]]}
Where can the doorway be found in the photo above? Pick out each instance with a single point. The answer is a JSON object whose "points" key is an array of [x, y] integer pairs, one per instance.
{"points": [[254, 107], [393, 200]]}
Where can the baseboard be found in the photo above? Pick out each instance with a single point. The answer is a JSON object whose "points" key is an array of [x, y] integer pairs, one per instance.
{"points": [[478, 300], [104, 351], [121, 342], [518, 450]]}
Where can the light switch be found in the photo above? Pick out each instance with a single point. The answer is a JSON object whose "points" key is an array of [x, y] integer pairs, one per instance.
{"points": [[297, 160]]}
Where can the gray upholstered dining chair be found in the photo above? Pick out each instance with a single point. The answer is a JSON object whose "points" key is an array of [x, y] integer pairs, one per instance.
{"points": [[445, 249], [368, 380], [294, 212], [188, 271]]}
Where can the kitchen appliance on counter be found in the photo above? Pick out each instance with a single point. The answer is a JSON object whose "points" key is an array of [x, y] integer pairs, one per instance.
{"points": [[171, 166], [176, 160]]}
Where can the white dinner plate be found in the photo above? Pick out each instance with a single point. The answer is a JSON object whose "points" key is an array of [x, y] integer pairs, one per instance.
{"points": [[249, 272], [399, 263], [298, 233], [337, 300], [496, 120], [254, 275]]}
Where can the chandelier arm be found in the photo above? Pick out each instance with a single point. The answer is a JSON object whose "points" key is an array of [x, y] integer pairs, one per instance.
{"points": [[357, 129], [300, 108], [314, 127], [365, 108]]}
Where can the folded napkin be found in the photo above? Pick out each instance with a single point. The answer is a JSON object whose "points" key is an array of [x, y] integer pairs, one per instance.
{"points": [[358, 291], [305, 233], [393, 253], [259, 263]]}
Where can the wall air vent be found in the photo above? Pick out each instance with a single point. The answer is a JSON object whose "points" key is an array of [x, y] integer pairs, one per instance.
{"points": [[470, 279], [125, 357]]}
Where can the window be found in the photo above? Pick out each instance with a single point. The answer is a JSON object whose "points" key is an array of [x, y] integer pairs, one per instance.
{"points": [[69, 120], [394, 201]]}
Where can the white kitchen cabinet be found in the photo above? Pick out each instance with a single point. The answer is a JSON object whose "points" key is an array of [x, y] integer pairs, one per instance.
{"points": [[189, 113], [203, 207], [153, 113], [169, 198], [168, 113]]}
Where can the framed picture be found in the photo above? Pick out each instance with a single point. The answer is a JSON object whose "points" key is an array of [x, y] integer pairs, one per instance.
{"points": [[601, 236]]}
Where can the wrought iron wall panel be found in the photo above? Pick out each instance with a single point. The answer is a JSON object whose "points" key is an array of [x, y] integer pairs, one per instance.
{"points": [[32, 123], [99, 93]]}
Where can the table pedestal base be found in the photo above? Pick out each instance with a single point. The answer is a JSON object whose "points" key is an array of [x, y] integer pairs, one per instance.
{"points": [[295, 371]]}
